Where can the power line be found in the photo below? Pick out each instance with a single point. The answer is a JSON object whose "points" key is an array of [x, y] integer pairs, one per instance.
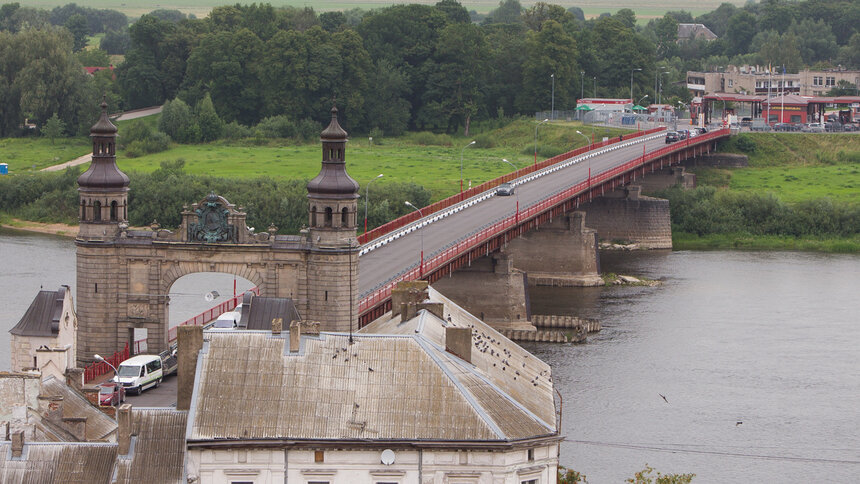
{"points": [[655, 447]]}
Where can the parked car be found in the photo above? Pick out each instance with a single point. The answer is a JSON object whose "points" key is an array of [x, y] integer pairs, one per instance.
{"points": [[746, 122], [850, 127], [169, 362], [505, 189], [229, 320], [833, 127], [140, 372], [813, 128], [672, 136], [683, 134], [782, 127], [111, 394]]}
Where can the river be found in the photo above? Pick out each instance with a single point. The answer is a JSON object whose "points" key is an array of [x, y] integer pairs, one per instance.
{"points": [[769, 339]]}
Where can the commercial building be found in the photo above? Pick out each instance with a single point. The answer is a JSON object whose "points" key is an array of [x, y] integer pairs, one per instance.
{"points": [[761, 81]]}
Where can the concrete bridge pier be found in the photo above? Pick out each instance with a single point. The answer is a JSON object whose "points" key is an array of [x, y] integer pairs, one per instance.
{"points": [[491, 289], [626, 216], [562, 252]]}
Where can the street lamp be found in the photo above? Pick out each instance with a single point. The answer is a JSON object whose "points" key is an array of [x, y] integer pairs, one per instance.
{"points": [[421, 264], [461, 168], [516, 193], [581, 84], [536, 127], [640, 99], [588, 141], [660, 93], [595, 86], [116, 376], [552, 106], [367, 197], [631, 82]]}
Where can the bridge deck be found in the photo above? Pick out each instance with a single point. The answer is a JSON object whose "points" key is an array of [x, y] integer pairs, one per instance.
{"points": [[381, 265]]}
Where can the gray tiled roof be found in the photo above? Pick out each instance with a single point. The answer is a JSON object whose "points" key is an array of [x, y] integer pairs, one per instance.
{"points": [[380, 387], [66, 463], [505, 364], [158, 453], [263, 309], [43, 316], [692, 31], [99, 427]]}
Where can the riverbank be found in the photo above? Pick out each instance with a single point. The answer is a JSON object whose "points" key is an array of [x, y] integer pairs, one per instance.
{"points": [[688, 241], [63, 230]]}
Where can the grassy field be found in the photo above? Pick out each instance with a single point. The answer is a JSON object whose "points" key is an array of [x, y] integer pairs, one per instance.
{"points": [[28, 154], [794, 167], [685, 241], [436, 167], [645, 9]]}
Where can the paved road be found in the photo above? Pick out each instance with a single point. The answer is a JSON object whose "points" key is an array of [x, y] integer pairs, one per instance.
{"points": [[139, 113], [381, 265], [163, 396]]}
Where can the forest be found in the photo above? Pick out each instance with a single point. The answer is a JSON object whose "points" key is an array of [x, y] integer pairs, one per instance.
{"points": [[390, 70]]}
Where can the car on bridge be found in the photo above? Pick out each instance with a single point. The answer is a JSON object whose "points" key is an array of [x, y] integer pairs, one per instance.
{"points": [[813, 128], [505, 189], [672, 136]]}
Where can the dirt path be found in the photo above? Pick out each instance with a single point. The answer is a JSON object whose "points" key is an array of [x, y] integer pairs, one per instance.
{"points": [[139, 113], [42, 228]]}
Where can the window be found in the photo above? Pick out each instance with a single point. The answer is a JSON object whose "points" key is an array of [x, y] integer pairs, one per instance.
{"points": [[817, 81], [328, 216], [344, 217], [531, 455], [530, 481], [113, 211], [319, 455], [97, 211], [731, 82], [831, 81], [795, 118]]}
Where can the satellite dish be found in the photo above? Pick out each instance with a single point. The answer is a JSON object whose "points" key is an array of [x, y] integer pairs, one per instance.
{"points": [[388, 457], [211, 296]]}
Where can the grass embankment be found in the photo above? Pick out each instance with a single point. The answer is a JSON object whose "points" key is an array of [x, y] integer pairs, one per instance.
{"points": [[800, 192], [32, 154]]}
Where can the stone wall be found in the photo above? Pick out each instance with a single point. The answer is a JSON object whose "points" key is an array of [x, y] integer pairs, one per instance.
{"points": [[562, 252], [626, 216]]}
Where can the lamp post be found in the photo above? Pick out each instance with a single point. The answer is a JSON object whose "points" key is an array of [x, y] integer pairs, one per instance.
{"points": [[367, 197], [116, 376], [517, 194], [536, 128], [640, 99], [461, 167], [631, 83], [581, 84], [588, 141], [660, 93], [421, 264], [594, 79], [552, 105]]}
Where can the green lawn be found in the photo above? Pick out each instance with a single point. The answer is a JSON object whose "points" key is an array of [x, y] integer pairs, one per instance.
{"points": [[27, 154]]}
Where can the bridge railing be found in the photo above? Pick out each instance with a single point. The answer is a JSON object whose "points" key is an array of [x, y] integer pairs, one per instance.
{"points": [[212, 313], [99, 368], [442, 258], [459, 197]]}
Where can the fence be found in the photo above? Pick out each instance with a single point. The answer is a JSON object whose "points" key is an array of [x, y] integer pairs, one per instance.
{"points": [[497, 228], [455, 199], [99, 368], [212, 313]]}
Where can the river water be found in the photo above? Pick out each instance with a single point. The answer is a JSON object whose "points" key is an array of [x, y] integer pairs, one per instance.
{"points": [[770, 339]]}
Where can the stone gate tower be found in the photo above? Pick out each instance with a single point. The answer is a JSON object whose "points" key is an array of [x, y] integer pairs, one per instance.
{"points": [[333, 256]]}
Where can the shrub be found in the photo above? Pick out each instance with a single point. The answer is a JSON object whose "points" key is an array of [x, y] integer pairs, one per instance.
{"points": [[426, 138], [234, 130], [745, 144], [276, 127], [308, 129], [484, 141]]}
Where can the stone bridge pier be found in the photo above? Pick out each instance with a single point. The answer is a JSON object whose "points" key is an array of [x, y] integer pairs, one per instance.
{"points": [[626, 216]]}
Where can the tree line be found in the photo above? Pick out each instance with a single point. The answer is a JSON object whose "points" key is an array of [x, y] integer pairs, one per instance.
{"points": [[394, 69]]}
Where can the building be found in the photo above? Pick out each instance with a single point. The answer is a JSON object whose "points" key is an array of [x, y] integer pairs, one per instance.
{"points": [[44, 338], [761, 81], [430, 394], [687, 32], [606, 104]]}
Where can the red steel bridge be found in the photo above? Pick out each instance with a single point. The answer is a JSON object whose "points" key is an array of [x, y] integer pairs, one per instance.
{"points": [[449, 234]]}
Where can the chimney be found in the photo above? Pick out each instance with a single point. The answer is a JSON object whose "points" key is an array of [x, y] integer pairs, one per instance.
{"points": [[75, 378], [190, 342], [458, 341], [92, 395], [295, 335], [17, 443], [277, 325], [123, 430]]}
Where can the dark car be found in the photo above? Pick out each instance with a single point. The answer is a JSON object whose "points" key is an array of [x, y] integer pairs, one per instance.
{"points": [[111, 394], [701, 130], [833, 126], [782, 127], [505, 189], [169, 363], [683, 134], [850, 127], [672, 136]]}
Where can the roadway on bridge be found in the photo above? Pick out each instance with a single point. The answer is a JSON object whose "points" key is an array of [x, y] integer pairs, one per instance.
{"points": [[381, 265]]}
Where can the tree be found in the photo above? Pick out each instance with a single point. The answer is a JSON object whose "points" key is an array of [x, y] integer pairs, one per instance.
{"points": [[740, 32], [815, 40], [54, 128], [210, 124], [843, 88], [644, 477], [77, 25], [540, 12], [718, 20], [626, 17], [850, 54], [508, 12], [178, 122], [550, 52], [455, 11], [115, 42], [666, 31]]}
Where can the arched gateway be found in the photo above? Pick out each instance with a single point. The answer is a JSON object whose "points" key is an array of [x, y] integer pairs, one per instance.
{"points": [[124, 276]]}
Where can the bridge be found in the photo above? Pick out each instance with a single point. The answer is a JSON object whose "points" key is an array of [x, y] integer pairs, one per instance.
{"points": [[453, 232]]}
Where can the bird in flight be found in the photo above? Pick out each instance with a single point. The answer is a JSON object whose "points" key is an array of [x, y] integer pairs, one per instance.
{"points": [[663, 397]]}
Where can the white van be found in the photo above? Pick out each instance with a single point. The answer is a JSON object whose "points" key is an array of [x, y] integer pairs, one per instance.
{"points": [[138, 373]]}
